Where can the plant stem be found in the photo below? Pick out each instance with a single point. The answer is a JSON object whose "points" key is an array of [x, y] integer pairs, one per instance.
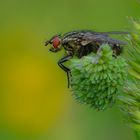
{"points": [[137, 135]]}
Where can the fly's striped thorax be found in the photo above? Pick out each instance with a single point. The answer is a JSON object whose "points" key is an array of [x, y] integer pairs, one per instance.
{"points": [[71, 44]]}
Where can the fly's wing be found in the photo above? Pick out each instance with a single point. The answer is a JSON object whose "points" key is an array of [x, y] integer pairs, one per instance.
{"points": [[90, 37], [101, 38], [114, 32]]}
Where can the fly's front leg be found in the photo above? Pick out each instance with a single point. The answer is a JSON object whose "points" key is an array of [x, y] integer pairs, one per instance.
{"points": [[54, 50], [67, 70]]}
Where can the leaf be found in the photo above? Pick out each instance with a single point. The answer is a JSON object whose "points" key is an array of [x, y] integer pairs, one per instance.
{"points": [[134, 73], [135, 66]]}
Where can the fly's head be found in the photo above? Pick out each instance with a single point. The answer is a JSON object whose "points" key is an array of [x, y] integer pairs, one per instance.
{"points": [[55, 43]]}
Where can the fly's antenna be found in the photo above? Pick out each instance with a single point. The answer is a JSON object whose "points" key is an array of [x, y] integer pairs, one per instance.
{"points": [[47, 42]]}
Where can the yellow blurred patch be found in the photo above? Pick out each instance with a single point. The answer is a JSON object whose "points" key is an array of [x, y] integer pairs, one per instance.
{"points": [[33, 91]]}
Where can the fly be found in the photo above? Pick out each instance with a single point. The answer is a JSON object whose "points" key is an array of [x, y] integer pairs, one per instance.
{"points": [[81, 43]]}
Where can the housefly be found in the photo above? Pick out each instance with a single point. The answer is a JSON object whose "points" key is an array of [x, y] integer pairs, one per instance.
{"points": [[81, 43]]}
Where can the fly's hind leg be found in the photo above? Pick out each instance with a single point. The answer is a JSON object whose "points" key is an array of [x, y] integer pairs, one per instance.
{"points": [[67, 70]]}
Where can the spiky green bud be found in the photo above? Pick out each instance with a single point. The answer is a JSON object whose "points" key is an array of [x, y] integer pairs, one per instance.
{"points": [[97, 79]]}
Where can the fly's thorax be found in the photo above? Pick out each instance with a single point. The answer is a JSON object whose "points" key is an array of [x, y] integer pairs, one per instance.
{"points": [[70, 43]]}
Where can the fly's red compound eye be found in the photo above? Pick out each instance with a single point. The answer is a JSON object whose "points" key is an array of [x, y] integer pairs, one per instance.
{"points": [[56, 42]]}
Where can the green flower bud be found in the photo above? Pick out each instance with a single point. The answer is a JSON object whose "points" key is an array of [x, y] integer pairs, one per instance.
{"points": [[97, 79]]}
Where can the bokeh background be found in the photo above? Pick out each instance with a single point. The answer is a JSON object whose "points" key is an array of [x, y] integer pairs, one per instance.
{"points": [[35, 103]]}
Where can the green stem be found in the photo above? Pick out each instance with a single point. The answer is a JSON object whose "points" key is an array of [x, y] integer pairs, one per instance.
{"points": [[137, 135]]}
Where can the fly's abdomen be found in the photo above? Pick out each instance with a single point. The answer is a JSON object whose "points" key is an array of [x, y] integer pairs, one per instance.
{"points": [[85, 50]]}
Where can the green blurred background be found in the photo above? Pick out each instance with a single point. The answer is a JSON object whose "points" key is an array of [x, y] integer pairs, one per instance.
{"points": [[35, 103]]}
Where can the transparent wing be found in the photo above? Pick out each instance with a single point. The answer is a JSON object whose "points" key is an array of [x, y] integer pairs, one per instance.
{"points": [[114, 32], [100, 38]]}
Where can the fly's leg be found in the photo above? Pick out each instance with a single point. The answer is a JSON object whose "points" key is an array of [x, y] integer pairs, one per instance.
{"points": [[67, 70]]}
